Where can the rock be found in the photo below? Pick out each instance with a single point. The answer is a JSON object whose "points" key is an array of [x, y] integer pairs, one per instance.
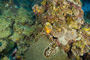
{"points": [[36, 51]]}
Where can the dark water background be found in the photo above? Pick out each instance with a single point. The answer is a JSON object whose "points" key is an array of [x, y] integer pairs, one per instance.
{"points": [[86, 9]]}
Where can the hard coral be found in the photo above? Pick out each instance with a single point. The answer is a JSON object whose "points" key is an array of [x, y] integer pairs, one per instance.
{"points": [[48, 27], [37, 9], [80, 47]]}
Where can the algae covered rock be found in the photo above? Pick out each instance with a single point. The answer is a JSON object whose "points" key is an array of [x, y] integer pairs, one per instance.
{"points": [[15, 26], [5, 29], [21, 31], [5, 58], [3, 45], [6, 46], [24, 17]]}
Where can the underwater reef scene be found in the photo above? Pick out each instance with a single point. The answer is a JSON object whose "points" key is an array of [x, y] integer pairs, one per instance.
{"points": [[44, 30]]}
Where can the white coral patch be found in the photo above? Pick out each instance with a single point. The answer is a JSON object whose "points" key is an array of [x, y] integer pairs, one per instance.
{"points": [[63, 41], [71, 35]]}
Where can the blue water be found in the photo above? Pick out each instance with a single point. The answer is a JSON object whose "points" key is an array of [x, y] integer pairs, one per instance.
{"points": [[86, 9]]}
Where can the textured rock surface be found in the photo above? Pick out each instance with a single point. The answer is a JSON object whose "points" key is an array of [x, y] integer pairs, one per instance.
{"points": [[36, 51]]}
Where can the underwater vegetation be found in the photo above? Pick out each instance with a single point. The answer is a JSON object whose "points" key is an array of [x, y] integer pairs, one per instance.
{"points": [[61, 21]]}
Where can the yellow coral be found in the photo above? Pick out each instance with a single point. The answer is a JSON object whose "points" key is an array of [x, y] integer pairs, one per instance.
{"points": [[86, 29], [72, 33], [59, 29], [74, 25], [48, 27], [48, 30]]}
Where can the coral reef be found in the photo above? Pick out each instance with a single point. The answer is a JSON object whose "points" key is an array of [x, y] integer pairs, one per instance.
{"points": [[16, 26], [63, 23], [5, 46]]}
